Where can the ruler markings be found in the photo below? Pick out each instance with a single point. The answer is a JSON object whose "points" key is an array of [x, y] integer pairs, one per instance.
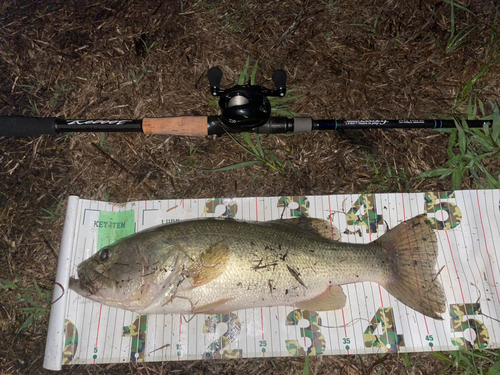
{"points": [[453, 239]]}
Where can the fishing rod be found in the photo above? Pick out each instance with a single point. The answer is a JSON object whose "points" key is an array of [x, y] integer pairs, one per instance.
{"points": [[244, 108]]}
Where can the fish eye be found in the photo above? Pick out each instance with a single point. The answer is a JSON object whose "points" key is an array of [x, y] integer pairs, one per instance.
{"points": [[104, 254]]}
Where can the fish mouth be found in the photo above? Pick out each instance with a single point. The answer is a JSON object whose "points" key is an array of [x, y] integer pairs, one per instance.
{"points": [[92, 282]]}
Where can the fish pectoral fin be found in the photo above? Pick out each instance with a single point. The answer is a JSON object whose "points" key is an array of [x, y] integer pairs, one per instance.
{"points": [[214, 307], [209, 265], [333, 298]]}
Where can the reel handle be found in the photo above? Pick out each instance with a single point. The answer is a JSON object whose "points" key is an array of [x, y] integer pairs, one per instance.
{"points": [[279, 79], [214, 78]]}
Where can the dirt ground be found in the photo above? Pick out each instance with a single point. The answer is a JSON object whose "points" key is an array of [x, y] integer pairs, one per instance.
{"points": [[120, 59]]}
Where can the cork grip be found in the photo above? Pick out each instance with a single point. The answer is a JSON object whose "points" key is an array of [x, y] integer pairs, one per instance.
{"points": [[185, 125]]}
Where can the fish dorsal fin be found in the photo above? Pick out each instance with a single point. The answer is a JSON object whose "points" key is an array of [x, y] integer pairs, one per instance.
{"points": [[209, 265], [319, 227], [333, 298], [214, 307]]}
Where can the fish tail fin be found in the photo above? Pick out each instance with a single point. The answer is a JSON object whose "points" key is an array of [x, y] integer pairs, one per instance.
{"points": [[412, 251]]}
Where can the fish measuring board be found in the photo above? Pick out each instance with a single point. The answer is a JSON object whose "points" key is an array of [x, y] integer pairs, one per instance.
{"points": [[467, 225]]}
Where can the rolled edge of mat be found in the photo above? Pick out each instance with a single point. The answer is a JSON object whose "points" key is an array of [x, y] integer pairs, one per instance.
{"points": [[302, 124], [184, 125]]}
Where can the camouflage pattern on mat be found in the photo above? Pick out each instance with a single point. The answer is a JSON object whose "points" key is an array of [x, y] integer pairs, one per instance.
{"points": [[433, 205], [369, 218], [303, 205], [389, 338], [230, 205], [137, 331], [233, 331], [311, 331], [70, 342], [460, 322]]}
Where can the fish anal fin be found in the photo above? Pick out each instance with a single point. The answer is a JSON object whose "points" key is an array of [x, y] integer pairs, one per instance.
{"points": [[214, 307], [333, 298], [209, 265]]}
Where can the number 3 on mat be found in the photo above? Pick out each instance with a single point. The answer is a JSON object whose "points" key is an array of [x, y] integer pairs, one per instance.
{"points": [[311, 331]]}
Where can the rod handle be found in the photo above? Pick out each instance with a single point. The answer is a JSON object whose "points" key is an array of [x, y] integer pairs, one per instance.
{"points": [[16, 126], [184, 125]]}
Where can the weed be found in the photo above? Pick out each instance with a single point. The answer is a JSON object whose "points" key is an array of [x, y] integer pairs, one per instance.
{"points": [[264, 157], [305, 371], [38, 302], [137, 78], [278, 105], [470, 362], [102, 140], [330, 6], [34, 108], [474, 146], [234, 22], [371, 28], [388, 178], [147, 48], [457, 37], [60, 89], [52, 215]]}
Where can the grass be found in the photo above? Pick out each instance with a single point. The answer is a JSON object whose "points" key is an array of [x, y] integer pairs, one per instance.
{"points": [[470, 150], [457, 37], [371, 28], [388, 178], [52, 215], [35, 301], [470, 362]]}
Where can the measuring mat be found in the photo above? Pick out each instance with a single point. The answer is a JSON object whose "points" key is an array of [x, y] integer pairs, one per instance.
{"points": [[467, 225]]}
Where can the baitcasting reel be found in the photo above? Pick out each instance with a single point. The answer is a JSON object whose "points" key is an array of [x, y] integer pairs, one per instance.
{"points": [[245, 107]]}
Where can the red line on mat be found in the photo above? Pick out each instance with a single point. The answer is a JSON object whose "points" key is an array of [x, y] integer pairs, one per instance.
{"points": [[486, 244], [416, 278], [331, 225], [98, 326]]}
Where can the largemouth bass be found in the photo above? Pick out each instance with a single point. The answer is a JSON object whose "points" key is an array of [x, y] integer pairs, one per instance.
{"points": [[215, 266]]}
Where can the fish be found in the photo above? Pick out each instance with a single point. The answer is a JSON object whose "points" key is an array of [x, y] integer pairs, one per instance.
{"points": [[210, 266]]}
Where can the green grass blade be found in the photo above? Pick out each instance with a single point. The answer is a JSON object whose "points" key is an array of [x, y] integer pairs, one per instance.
{"points": [[7, 284], [453, 4], [234, 166], [438, 172], [305, 371], [38, 290], [244, 73], [259, 145], [246, 149], [26, 323], [492, 181], [471, 109], [495, 131], [456, 179], [248, 140], [256, 174], [495, 369], [278, 101], [462, 141], [452, 143], [254, 72]]}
